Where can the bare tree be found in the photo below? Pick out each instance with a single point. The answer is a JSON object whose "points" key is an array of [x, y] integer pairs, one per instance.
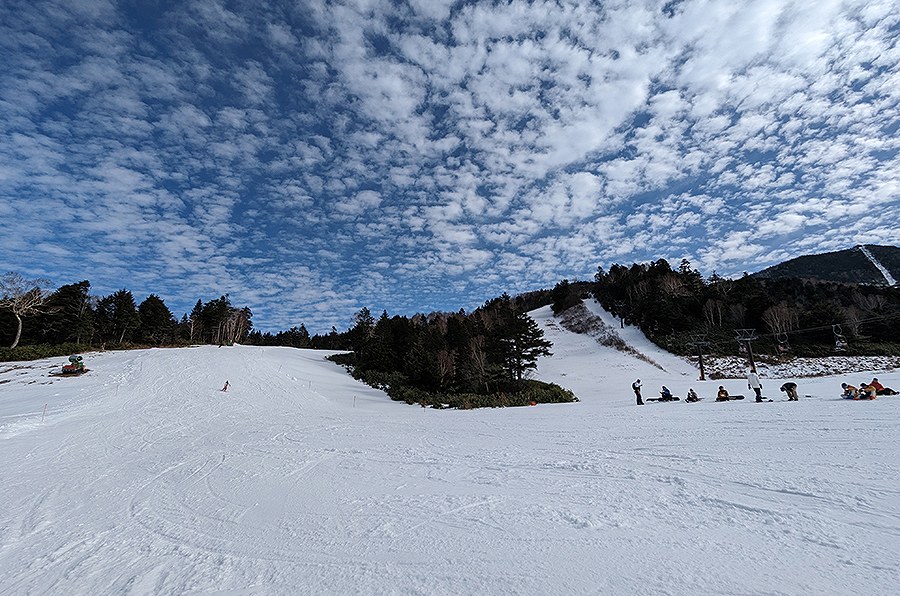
{"points": [[781, 318], [23, 297], [235, 327], [872, 303], [639, 291], [673, 285], [713, 312], [853, 318]]}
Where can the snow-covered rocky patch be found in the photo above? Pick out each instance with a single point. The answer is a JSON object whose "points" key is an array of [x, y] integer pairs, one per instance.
{"points": [[849, 366]]}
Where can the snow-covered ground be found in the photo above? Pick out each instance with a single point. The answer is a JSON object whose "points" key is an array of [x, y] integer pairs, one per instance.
{"points": [[143, 478]]}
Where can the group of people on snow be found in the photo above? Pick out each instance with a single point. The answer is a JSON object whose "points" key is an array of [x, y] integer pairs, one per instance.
{"points": [[865, 390], [753, 382]]}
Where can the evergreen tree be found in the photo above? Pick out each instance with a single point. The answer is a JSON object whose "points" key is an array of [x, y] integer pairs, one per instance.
{"points": [[518, 341], [196, 327], [117, 316], [70, 315], [213, 316], [157, 322]]}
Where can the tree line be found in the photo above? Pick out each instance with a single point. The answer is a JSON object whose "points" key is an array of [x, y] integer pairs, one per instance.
{"points": [[31, 314], [678, 307]]}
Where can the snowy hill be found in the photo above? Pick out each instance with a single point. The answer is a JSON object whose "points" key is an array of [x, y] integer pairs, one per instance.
{"points": [[144, 478]]}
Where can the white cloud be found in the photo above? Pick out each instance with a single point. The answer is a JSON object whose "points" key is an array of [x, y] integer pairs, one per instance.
{"points": [[487, 146]]}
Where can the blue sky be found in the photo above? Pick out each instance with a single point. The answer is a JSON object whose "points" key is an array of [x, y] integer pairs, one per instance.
{"points": [[311, 158]]}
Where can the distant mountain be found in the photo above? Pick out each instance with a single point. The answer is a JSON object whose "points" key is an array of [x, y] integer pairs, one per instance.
{"points": [[863, 264]]}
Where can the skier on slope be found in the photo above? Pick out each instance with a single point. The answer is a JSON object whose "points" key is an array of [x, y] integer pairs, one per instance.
{"points": [[636, 386], [754, 383], [790, 390]]}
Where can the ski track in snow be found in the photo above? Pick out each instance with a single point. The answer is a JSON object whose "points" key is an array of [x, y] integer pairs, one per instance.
{"points": [[145, 478]]}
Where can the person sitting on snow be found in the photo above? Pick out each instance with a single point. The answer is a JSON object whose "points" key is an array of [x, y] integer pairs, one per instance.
{"points": [[691, 395], [866, 391], [849, 391], [881, 389], [665, 394], [722, 395]]}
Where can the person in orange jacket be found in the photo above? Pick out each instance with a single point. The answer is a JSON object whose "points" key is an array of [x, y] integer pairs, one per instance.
{"points": [[866, 391]]}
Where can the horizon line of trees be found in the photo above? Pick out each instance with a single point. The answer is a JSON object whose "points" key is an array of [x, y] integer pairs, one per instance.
{"points": [[673, 307], [70, 314]]}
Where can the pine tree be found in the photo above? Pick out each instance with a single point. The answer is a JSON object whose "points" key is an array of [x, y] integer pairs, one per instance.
{"points": [[196, 313], [70, 315], [118, 316], [157, 322]]}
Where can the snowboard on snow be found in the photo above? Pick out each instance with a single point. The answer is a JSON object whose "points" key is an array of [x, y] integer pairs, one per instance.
{"points": [[733, 398], [659, 399]]}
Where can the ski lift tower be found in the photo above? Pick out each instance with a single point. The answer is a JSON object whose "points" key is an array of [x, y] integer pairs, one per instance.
{"points": [[744, 338], [699, 342]]}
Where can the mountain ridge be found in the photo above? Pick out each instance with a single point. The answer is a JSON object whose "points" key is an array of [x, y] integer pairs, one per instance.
{"points": [[851, 265]]}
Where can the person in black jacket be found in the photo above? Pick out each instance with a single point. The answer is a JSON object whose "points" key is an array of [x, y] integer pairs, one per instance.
{"points": [[637, 392], [791, 390]]}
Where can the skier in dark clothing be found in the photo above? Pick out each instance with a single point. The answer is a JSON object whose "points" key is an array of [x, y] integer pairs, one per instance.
{"points": [[691, 396], [791, 390], [637, 392]]}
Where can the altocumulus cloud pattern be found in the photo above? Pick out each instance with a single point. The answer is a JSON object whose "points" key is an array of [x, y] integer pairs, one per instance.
{"points": [[311, 158]]}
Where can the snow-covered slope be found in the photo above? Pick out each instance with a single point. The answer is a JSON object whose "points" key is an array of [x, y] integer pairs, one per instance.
{"points": [[144, 478]]}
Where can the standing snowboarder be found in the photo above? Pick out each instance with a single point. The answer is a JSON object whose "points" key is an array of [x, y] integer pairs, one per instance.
{"points": [[754, 383], [225, 388], [791, 390], [637, 392]]}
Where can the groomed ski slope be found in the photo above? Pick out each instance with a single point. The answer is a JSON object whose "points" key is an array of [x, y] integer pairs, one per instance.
{"points": [[144, 478]]}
